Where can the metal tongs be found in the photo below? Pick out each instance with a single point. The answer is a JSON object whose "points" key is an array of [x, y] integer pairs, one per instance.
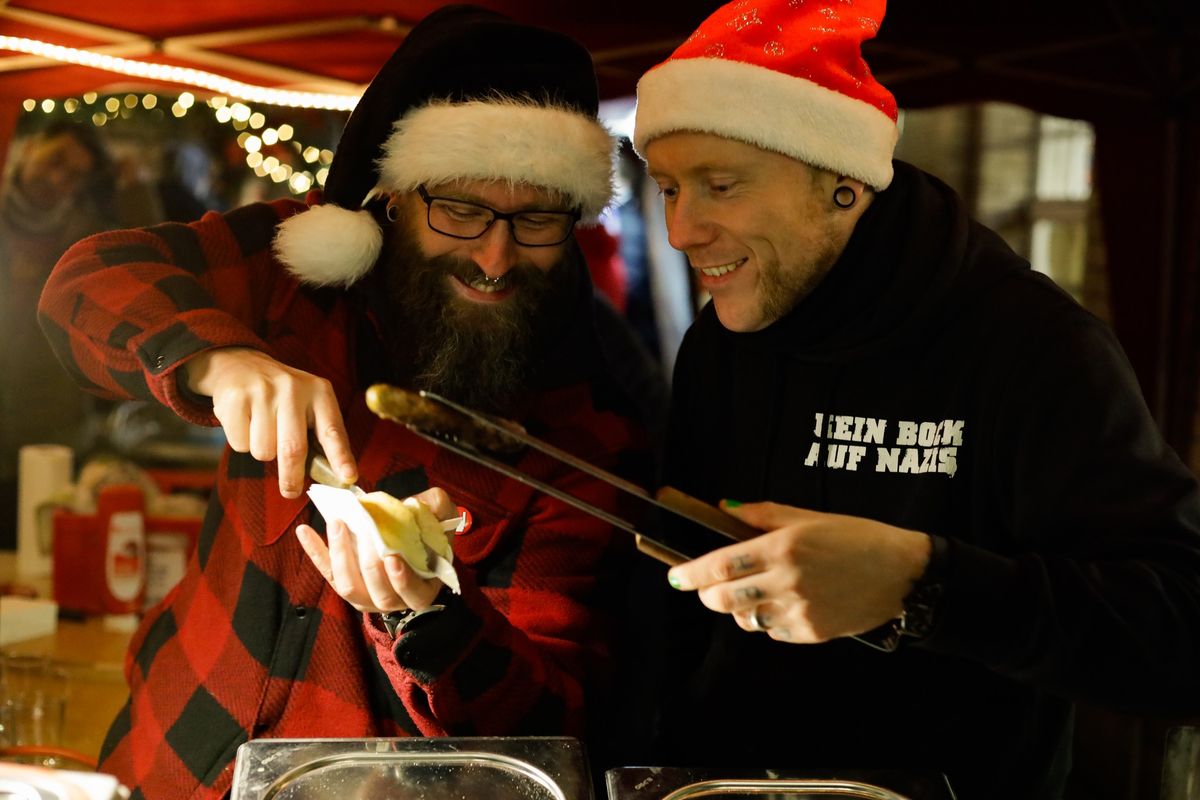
{"points": [[670, 526]]}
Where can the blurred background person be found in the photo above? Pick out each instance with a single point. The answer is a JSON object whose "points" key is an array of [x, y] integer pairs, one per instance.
{"points": [[61, 185]]}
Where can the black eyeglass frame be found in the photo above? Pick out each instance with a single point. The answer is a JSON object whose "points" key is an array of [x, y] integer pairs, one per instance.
{"points": [[573, 215]]}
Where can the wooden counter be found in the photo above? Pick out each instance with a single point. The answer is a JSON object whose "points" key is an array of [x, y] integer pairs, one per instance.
{"points": [[93, 658]]}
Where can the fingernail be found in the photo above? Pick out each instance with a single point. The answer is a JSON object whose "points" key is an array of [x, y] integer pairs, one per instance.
{"points": [[673, 579], [731, 503]]}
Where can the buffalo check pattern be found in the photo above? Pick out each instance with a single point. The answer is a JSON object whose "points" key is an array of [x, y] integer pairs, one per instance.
{"points": [[253, 642]]}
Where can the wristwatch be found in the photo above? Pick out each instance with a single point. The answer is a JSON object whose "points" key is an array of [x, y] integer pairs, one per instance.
{"points": [[397, 622], [919, 608]]}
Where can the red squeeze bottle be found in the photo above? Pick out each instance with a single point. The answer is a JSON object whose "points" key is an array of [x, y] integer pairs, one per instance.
{"points": [[120, 519]]}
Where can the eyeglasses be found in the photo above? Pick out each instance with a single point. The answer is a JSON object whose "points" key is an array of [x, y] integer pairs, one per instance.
{"points": [[464, 220]]}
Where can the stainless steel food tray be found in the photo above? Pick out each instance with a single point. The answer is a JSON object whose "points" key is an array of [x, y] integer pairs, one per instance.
{"points": [[674, 783], [497, 768]]}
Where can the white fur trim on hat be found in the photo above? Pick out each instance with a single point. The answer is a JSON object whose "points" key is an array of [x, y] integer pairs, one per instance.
{"points": [[506, 139], [767, 109], [328, 245]]}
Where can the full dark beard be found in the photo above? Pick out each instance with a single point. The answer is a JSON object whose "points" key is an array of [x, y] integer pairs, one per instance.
{"points": [[479, 354]]}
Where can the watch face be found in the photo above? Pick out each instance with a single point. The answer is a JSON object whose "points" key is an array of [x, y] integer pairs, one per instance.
{"points": [[920, 610], [393, 621]]}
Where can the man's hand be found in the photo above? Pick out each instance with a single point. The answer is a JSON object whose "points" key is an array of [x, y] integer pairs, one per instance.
{"points": [[373, 584], [267, 408], [811, 577]]}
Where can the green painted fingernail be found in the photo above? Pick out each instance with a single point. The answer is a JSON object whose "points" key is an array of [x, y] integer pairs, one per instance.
{"points": [[732, 503], [674, 581]]}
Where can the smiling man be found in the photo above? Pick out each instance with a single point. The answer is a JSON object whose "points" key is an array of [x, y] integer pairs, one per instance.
{"points": [[948, 458], [756, 262], [478, 288], [443, 258]]}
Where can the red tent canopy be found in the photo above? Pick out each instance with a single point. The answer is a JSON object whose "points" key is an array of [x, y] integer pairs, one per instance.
{"points": [[328, 46], [322, 45]]}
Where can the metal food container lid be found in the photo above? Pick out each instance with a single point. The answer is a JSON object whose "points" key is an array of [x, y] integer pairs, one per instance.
{"points": [[677, 783], [20, 781], [497, 768]]}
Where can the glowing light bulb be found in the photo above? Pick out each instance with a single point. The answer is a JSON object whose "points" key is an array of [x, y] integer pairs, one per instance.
{"points": [[301, 182]]}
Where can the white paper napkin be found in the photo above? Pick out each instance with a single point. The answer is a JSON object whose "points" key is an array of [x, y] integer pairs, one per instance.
{"points": [[344, 505]]}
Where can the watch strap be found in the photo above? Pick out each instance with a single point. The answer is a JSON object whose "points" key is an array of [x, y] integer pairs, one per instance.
{"points": [[920, 606], [397, 622]]}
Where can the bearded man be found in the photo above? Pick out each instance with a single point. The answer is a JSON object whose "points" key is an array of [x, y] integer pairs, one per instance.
{"points": [[441, 258]]}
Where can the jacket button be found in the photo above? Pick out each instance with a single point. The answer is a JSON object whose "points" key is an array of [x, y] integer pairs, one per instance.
{"points": [[301, 612], [160, 361]]}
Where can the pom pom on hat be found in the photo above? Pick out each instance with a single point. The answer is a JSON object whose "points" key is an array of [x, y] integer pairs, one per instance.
{"points": [[469, 94], [328, 245], [783, 75]]}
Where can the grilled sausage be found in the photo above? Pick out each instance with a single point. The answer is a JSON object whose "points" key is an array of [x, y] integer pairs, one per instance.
{"points": [[428, 416]]}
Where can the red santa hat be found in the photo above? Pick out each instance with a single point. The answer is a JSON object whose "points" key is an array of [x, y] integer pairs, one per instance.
{"points": [[783, 75]]}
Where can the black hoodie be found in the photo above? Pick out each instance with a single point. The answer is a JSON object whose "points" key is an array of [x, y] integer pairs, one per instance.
{"points": [[935, 382]]}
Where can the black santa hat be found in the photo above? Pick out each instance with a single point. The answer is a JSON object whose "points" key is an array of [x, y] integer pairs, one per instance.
{"points": [[469, 94]]}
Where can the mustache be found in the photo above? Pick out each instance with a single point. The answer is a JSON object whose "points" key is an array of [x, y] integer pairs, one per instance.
{"points": [[467, 271], [481, 354]]}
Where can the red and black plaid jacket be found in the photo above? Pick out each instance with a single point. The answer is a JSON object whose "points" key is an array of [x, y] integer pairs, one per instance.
{"points": [[253, 642]]}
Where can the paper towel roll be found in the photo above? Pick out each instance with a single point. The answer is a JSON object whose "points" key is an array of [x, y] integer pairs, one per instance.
{"points": [[44, 474]]}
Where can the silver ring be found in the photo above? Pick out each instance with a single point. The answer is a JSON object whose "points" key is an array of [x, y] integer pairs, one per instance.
{"points": [[756, 620]]}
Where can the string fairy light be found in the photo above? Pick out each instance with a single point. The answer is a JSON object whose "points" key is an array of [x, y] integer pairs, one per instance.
{"points": [[298, 180], [255, 133], [181, 75]]}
